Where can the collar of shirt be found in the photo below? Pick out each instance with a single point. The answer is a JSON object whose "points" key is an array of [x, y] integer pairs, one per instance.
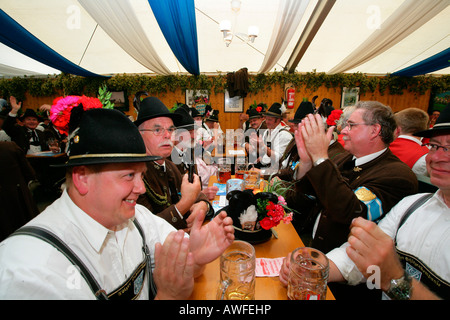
{"points": [[94, 232], [162, 166], [369, 157], [418, 141]]}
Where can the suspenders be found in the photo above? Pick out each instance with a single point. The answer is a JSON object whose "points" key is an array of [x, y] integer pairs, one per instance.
{"points": [[99, 293]]}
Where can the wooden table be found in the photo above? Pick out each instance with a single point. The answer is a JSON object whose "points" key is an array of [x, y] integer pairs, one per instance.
{"points": [[267, 288], [231, 151]]}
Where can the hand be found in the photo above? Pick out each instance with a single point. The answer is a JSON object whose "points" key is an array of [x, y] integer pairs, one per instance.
{"points": [[316, 140], [306, 162], [284, 271], [207, 242], [174, 267], [370, 246], [15, 107], [196, 209], [210, 192], [45, 107], [189, 193]]}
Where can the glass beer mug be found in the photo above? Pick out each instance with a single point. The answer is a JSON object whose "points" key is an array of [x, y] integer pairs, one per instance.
{"points": [[308, 275], [237, 272], [223, 170]]}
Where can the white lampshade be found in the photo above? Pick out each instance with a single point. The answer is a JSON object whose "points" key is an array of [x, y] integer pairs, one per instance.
{"points": [[253, 31], [225, 25], [235, 5]]}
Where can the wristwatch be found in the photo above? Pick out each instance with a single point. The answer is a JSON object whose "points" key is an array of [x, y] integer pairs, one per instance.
{"points": [[400, 289], [319, 161]]}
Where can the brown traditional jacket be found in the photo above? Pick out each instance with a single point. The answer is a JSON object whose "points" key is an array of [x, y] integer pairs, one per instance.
{"points": [[163, 192], [386, 177]]}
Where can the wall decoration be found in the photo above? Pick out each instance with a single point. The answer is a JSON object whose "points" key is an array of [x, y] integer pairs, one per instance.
{"points": [[350, 96], [197, 99], [235, 104]]}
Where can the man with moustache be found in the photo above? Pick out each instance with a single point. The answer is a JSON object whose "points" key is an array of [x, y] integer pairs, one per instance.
{"points": [[168, 194]]}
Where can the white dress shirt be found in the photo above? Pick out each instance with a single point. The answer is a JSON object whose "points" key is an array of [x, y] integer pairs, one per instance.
{"points": [[425, 234], [32, 269], [279, 139]]}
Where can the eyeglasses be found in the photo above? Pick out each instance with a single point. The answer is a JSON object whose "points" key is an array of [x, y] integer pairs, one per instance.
{"points": [[352, 124], [435, 147], [160, 131]]}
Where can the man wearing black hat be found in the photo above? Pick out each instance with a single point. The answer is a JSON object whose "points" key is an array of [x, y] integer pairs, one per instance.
{"points": [[95, 241], [410, 245], [27, 137], [257, 126], [275, 139], [186, 154], [168, 194]]}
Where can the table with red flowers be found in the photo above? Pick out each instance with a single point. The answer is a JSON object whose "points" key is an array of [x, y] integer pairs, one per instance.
{"points": [[267, 288]]}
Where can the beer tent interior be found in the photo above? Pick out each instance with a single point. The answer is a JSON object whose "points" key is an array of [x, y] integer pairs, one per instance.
{"points": [[108, 37]]}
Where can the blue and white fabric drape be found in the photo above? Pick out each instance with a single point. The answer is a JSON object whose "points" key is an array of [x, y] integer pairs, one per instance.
{"points": [[409, 17], [18, 38], [177, 21], [128, 34], [439, 61]]}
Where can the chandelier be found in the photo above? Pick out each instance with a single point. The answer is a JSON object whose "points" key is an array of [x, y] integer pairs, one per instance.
{"points": [[225, 27]]}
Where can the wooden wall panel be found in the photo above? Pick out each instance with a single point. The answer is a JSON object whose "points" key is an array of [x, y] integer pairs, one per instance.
{"points": [[231, 120]]}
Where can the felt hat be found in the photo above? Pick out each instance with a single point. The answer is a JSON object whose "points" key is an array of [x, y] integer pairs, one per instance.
{"points": [[194, 113], [239, 201], [104, 136], [30, 113], [213, 116], [151, 108], [186, 121], [303, 110], [276, 111], [253, 113], [441, 126]]}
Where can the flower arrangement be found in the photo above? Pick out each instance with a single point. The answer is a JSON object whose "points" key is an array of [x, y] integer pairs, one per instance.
{"points": [[270, 209], [271, 214], [62, 107], [334, 117]]}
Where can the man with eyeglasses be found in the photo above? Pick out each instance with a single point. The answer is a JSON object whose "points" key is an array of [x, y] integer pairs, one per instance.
{"points": [[365, 182], [410, 245], [168, 194]]}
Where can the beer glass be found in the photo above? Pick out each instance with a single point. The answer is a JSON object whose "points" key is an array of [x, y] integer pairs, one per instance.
{"points": [[308, 274], [237, 272]]}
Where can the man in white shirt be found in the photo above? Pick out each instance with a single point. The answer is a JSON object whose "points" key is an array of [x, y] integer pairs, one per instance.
{"points": [[408, 249], [130, 253], [275, 139]]}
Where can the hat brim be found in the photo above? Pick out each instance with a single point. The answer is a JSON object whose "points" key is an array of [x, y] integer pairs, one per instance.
{"points": [[436, 130], [272, 114], [89, 160], [174, 116], [253, 237], [187, 127]]}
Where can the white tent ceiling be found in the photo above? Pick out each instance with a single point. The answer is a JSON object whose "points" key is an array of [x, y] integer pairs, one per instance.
{"points": [[66, 27]]}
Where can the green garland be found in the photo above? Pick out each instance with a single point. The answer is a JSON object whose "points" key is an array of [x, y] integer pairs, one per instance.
{"points": [[75, 85]]}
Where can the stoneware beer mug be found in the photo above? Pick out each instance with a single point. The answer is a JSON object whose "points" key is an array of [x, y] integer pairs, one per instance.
{"points": [[308, 275], [237, 272]]}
